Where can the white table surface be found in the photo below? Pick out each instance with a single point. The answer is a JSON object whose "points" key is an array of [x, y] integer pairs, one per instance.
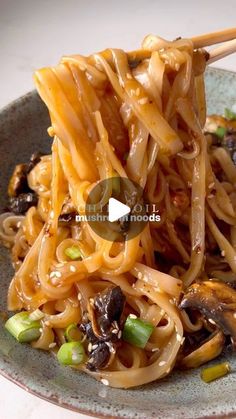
{"points": [[37, 33]]}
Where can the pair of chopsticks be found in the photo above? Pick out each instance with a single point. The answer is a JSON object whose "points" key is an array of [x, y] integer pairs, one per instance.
{"points": [[226, 37]]}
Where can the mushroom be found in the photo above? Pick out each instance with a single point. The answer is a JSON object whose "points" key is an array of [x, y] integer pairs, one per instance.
{"points": [[210, 349], [102, 330], [18, 182], [21, 203], [216, 301]]}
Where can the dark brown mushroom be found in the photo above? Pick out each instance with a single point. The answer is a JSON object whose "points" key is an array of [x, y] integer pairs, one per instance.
{"points": [[21, 203], [109, 306], [102, 326], [34, 159], [216, 301], [209, 349]]}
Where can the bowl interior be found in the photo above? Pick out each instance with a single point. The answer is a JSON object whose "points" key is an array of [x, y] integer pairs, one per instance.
{"points": [[23, 127]]}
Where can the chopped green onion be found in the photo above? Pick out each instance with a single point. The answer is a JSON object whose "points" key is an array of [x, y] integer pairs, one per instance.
{"points": [[73, 252], [116, 184], [72, 333], [36, 315], [230, 115], [71, 353], [220, 132], [23, 328], [217, 371], [137, 331]]}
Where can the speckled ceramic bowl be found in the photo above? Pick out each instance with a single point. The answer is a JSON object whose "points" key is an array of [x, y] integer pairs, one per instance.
{"points": [[183, 395]]}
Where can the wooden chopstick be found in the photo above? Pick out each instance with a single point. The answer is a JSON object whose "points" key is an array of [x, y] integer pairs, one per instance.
{"points": [[199, 42], [208, 39], [222, 51]]}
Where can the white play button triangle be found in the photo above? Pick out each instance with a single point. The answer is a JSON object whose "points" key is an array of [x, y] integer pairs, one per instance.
{"points": [[116, 210]]}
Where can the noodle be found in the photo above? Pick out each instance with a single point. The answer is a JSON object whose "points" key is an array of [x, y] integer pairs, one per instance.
{"points": [[143, 122]]}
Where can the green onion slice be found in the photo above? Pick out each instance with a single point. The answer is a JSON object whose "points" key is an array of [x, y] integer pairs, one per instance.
{"points": [[23, 328], [73, 252], [230, 115], [71, 353], [214, 372], [137, 331], [220, 132], [72, 333]]}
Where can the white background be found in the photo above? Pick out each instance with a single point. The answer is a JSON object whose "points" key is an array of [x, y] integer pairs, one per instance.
{"points": [[37, 33]]}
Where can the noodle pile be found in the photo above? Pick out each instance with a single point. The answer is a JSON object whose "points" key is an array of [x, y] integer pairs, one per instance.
{"points": [[141, 116]]}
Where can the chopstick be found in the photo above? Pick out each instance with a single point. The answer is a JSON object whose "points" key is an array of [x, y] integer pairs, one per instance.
{"points": [[222, 51], [213, 38], [227, 37]]}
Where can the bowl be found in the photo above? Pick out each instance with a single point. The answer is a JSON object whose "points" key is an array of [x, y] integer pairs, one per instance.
{"points": [[23, 130]]}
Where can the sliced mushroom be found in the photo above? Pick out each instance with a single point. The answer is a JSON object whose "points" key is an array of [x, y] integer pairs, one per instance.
{"points": [[18, 182], [217, 302], [209, 350]]}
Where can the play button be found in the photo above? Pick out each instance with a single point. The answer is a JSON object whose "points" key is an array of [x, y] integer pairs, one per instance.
{"points": [[116, 210]]}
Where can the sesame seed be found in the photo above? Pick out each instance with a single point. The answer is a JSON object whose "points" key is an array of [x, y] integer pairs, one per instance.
{"points": [[52, 345], [91, 301], [47, 323], [90, 346], [82, 67], [105, 382], [79, 296], [119, 334], [115, 331], [178, 337], [95, 346], [171, 301], [182, 341], [51, 214], [58, 274], [52, 274], [137, 91], [161, 363], [162, 312], [128, 75], [140, 275], [176, 67], [133, 316], [90, 361], [143, 101], [223, 253], [211, 321], [132, 92], [28, 199], [72, 268], [155, 349], [234, 315], [167, 371], [18, 224], [40, 330]]}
